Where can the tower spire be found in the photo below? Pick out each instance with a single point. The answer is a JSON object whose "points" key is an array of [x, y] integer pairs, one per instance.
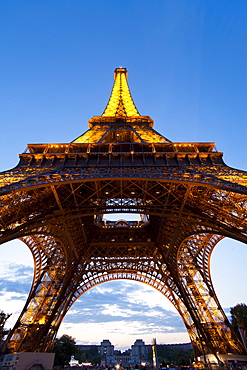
{"points": [[120, 102], [121, 121]]}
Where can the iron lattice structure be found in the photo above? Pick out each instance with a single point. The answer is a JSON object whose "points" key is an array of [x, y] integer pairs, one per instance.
{"points": [[188, 199]]}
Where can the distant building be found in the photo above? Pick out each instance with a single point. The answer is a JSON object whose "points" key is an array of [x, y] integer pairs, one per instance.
{"points": [[138, 354], [184, 346], [86, 347], [106, 350], [124, 360]]}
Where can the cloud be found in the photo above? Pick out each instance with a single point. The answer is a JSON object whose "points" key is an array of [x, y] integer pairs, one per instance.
{"points": [[13, 272], [12, 303], [121, 311], [122, 334], [111, 311], [15, 278]]}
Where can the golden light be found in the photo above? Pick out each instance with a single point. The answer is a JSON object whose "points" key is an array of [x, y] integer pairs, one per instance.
{"points": [[42, 320], [120, 102]]}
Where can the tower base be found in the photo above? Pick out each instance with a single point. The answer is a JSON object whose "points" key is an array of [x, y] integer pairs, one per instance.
{"points": [[27, 361], [225, 359]]}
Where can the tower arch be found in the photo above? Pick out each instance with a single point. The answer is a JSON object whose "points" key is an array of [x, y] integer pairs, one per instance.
{"points": [[55, 199]]}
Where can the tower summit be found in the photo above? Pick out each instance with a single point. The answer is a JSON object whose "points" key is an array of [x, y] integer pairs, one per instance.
{"points": [[120, 103], [121, 122]]}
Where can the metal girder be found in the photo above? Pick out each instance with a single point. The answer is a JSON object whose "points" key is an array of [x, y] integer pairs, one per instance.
{"points": [[170, 243], [56, 199]]}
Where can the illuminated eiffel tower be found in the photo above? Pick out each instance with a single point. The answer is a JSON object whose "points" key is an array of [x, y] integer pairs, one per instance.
{"points": [[188, 199]]}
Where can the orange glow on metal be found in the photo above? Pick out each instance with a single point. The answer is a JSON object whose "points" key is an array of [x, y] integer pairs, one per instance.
{"points": [[120, 102], [42, 320], [122, 164], [150, 136]]}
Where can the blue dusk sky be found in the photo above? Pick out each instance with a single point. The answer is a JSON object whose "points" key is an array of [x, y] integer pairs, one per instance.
{"points": [[187, 63]]}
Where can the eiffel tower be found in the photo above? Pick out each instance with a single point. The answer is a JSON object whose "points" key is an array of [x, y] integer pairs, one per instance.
{"points": [[58, 196]]}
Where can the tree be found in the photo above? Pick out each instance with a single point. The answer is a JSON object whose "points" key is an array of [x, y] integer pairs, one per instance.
{"points": [[239, 316], [89, 355], [3, 318], [174, 354], [64, 348]]}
